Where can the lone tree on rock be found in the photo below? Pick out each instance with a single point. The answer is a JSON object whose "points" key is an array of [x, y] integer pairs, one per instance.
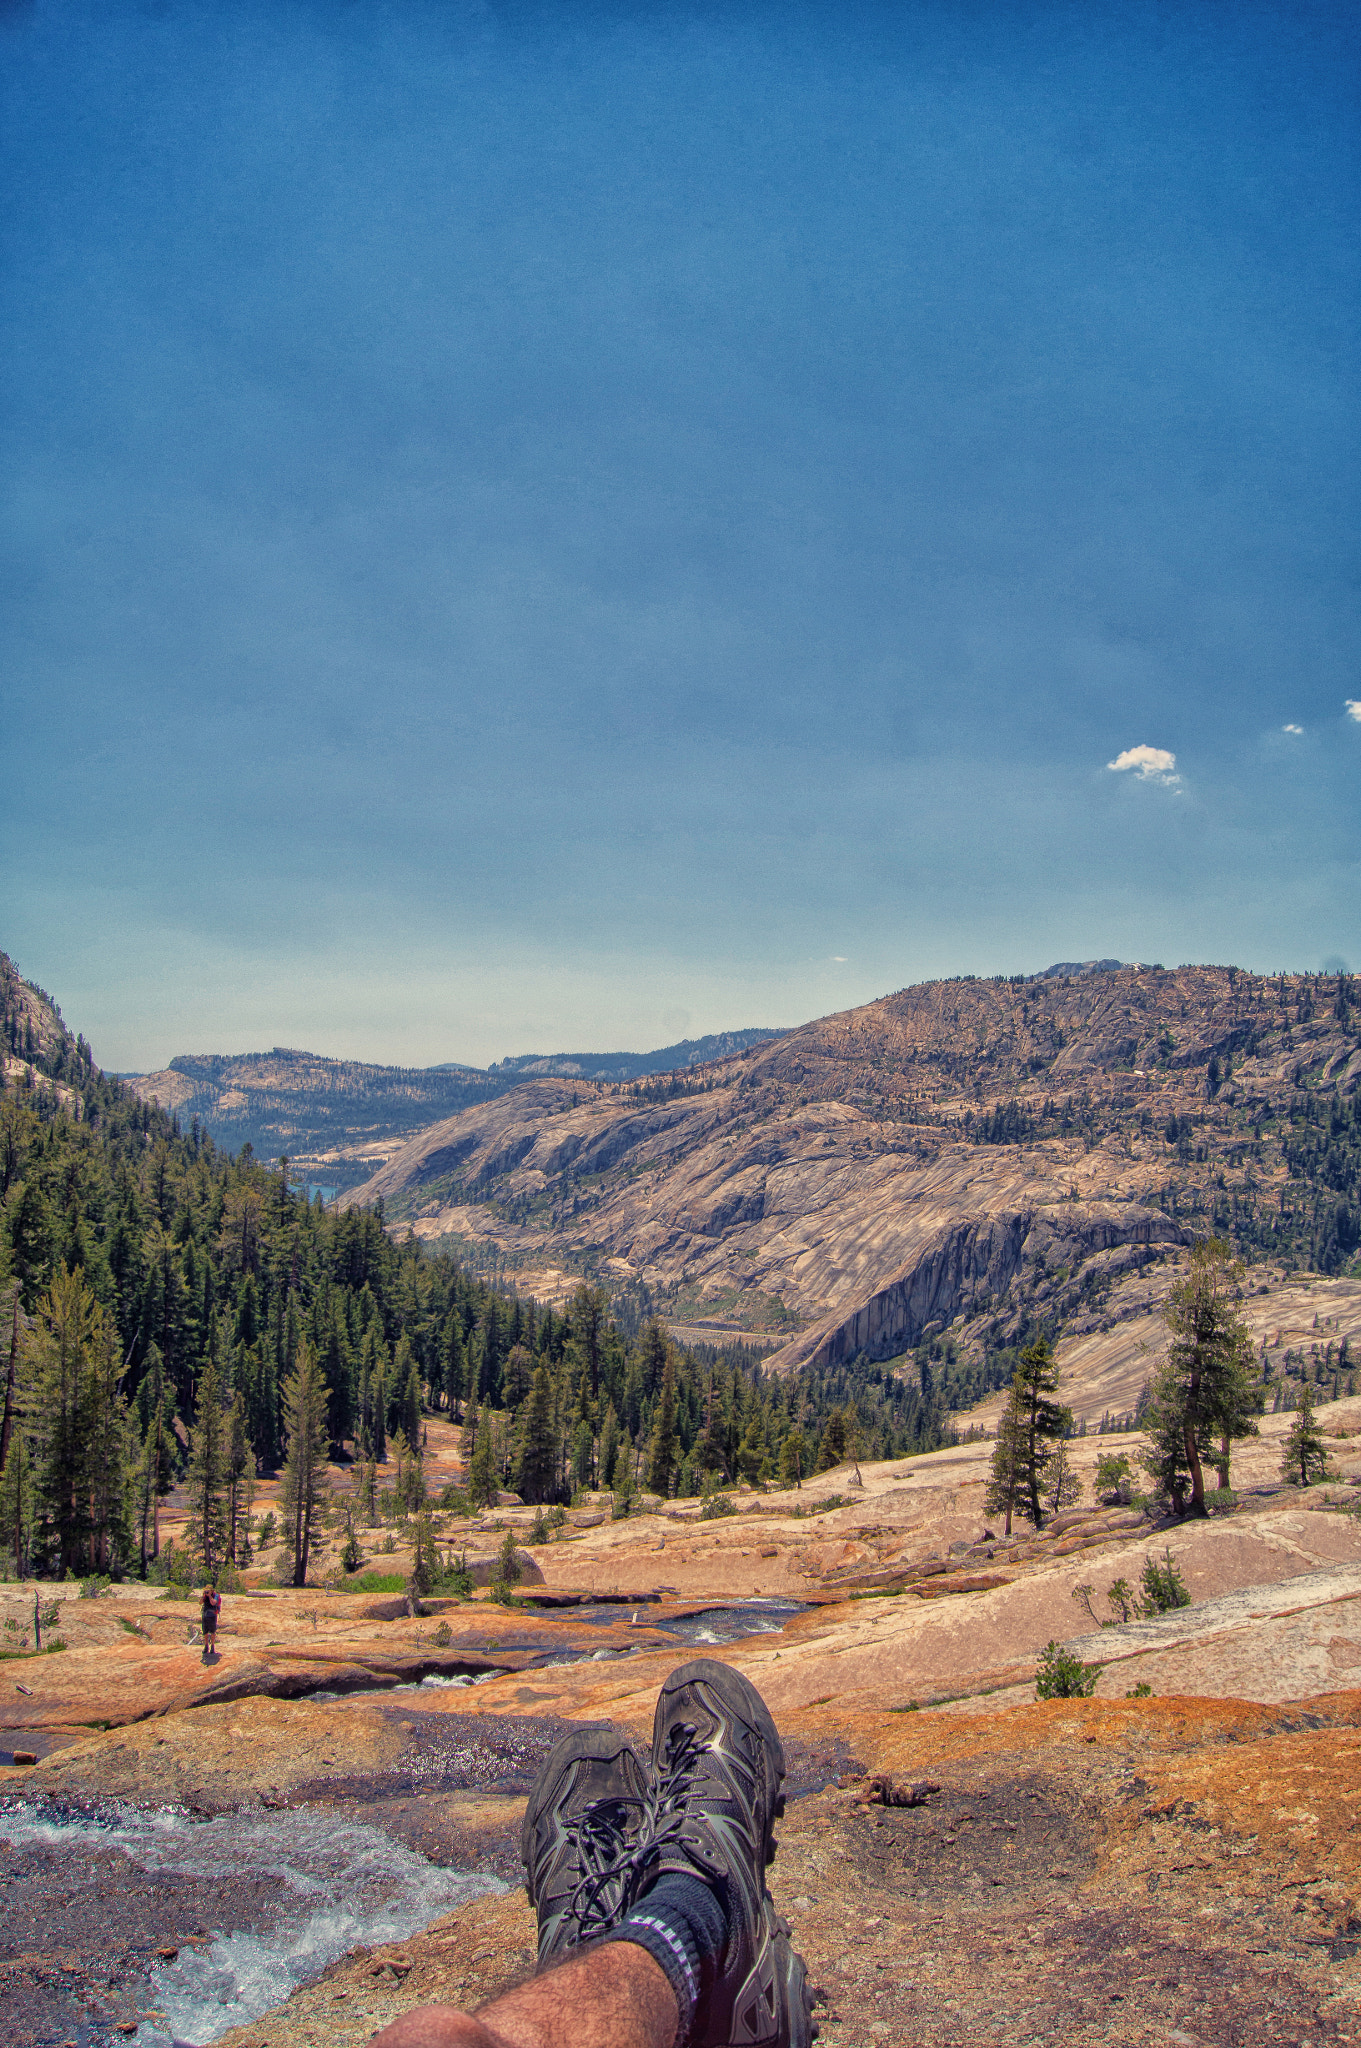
{"points": [[1305, 1458], [1205, 1392], [1032, 1424]]}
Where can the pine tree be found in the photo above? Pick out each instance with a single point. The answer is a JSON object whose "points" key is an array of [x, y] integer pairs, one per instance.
{"points": [[661, 1462], [1206, 1388], [378, 1405], [305, 1479], [1042, 1421], [17, 1502], [207, 1478], [1062, 1485], [538, 1444], [483, 1483], [832, 1449], [240, 1482], [105, 1429], [66, 1327], [15, 1323], [155, 1476], [609, 1446], [1304, 1460], [411, 1397], [583, 1456], [1006, 1484], [468, 1434], [424, 1561], [452, 1362]]}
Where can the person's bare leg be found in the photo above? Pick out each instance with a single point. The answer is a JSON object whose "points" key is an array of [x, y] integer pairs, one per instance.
{"points": [[613, 1996]]}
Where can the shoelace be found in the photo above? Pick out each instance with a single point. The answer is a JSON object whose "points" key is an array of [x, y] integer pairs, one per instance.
{"points": [[595, 1904], [667, 1812], [597, 1836]]}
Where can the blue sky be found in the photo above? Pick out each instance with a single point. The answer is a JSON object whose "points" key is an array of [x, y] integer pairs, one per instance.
{"points": [[541, 526]]}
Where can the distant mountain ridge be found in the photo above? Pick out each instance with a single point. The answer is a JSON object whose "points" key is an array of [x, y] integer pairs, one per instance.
{"points": [[629, 1066], [339, 1120], [993, 1150], [1067, 970]]}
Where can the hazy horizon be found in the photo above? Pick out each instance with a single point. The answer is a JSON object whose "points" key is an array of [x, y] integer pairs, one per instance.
{"points": [[531, 528]]}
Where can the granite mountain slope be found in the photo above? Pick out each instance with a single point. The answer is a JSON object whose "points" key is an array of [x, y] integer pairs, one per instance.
{"points": [[993, 1150], [340, 1120]]}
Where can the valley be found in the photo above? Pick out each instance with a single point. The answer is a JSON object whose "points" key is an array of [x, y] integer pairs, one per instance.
{"points": [[846, 1229]]}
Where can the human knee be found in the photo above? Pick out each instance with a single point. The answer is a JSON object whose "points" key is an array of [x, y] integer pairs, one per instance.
{"points": [[436, 2026]]}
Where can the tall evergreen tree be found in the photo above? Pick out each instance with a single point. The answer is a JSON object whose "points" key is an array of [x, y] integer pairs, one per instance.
{"points": [[609, 1446], [160, 1454], [410, 1423], [207, 1477], [483, 1481], [240, 1481], [1005, 1493], [538, 1445], [1206, 1387], [1042, 1420], [661, 1464], [305, 1479], [452, 1363], [17, 1502], [1304, 1459]]}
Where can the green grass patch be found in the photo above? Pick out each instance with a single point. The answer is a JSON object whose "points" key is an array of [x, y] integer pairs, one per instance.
{"points": [[376, 1582]]}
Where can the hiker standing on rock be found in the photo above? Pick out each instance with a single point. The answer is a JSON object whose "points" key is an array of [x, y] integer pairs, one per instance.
{"points": [[212, 1607]]}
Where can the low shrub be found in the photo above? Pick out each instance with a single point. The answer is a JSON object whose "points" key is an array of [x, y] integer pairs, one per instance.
{"points": [[1162, 1584], [1061, 1676]]}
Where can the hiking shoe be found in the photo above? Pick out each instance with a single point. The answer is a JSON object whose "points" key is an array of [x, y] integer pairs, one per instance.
{"points": [[782, 2010], [583, 1817], [718, 1769]]}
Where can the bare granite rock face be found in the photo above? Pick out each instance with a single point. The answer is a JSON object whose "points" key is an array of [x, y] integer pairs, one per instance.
{"points": [[961, 1149]]}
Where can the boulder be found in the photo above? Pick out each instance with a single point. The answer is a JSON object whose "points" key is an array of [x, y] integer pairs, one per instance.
{"points": [[483, 1571]]}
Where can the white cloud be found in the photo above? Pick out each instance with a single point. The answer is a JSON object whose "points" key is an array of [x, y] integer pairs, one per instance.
{"points": [[1292, 728], [839, 959], [1354, 708], [1150, 764]]}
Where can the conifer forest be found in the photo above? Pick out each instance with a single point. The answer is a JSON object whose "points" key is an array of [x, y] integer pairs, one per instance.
{"points": [[177, 1316]]}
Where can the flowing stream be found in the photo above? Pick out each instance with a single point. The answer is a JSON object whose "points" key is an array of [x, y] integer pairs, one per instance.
{"points": [[317, 1885]]}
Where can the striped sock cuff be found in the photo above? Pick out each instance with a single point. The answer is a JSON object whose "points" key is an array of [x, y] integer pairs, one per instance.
{"points": [[670, 1947]]}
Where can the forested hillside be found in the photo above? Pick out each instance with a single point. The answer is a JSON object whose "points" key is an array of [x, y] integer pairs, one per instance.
{"points": [[167, 1307]]}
